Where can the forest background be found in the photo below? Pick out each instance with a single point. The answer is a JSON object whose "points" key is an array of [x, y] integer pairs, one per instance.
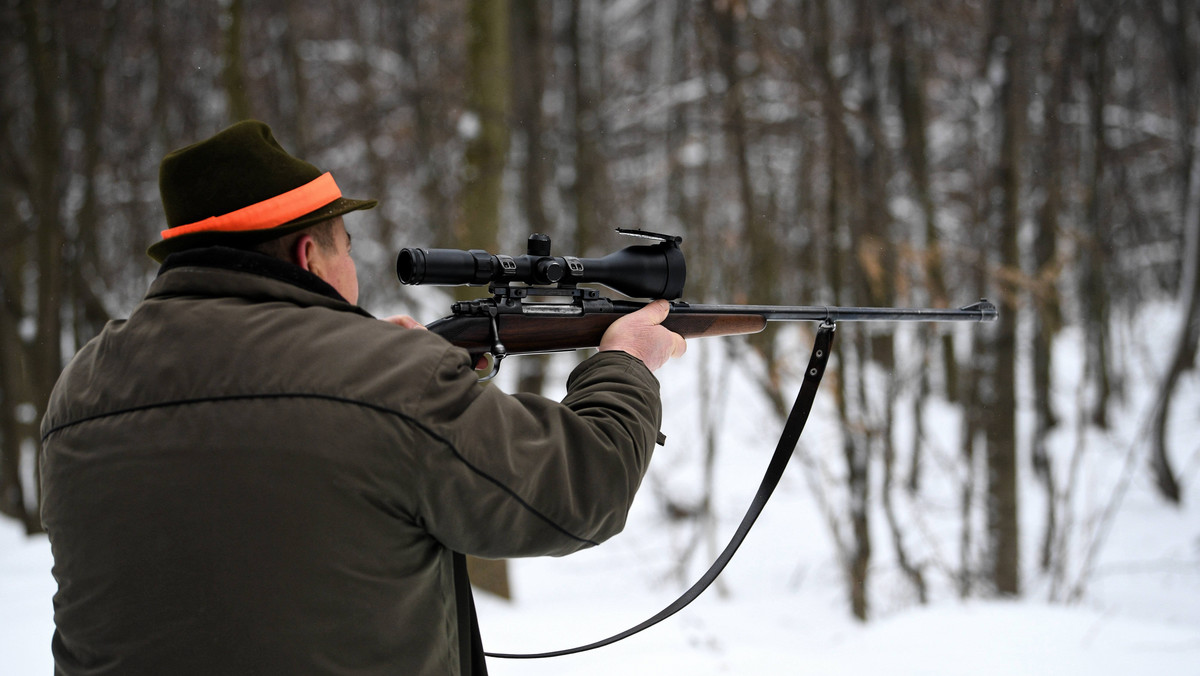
{"points": [[1041, 153]]}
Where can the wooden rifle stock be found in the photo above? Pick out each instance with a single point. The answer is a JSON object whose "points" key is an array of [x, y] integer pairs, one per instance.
{"points": [[532, 334]]}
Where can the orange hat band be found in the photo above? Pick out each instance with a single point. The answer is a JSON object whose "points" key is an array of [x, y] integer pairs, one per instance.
{"points": [[268, 213]]}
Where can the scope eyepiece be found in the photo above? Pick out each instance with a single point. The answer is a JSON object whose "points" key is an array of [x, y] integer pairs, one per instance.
{"points": [[646, 271]]}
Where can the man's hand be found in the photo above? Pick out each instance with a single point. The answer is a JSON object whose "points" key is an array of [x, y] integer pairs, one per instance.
{"points": [[407, 322], [641, 335], [404, 321]]}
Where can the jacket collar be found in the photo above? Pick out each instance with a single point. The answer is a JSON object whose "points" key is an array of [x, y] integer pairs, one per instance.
{"points": [[240, 260], [221, 258]]}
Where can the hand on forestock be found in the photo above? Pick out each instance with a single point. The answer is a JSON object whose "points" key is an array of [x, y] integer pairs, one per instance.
{"points": [[641, 335]]}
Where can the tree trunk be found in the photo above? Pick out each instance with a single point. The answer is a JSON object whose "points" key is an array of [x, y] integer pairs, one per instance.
{"points": [[1184, 353], [1093, 258], [585, 192], [488, 96], [1000, 426], [14, 372], [296, 115], [46, 192], [908, 64], [856, 549], [89, 65], [764, 245], [529, 88], [1181, 52], [1047, 314], [233, 66], [428, 116]]}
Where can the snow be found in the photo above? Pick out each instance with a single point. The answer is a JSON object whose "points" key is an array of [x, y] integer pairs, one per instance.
{"points": [[978, 638], [780, 606], [26, 589]]}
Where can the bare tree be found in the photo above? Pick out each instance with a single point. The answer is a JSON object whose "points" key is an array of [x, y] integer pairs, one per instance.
{"points": [[1007, 52], [1183, 53], [233, 66], [488, 100]]}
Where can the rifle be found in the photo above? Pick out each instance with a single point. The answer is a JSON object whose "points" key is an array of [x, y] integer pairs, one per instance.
{"points": [[509, 323]]}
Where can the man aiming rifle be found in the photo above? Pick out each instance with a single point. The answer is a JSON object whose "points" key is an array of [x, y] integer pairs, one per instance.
{"points": [[251, 474]]}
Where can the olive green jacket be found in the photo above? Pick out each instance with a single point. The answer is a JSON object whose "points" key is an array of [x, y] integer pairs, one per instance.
{"points": [[252, 476]]}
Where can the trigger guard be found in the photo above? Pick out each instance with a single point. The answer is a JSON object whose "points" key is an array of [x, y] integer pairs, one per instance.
{"points": [[490, 370]]}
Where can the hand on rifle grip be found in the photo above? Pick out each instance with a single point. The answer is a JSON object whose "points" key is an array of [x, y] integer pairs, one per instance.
{"points": [[404, 321], [641, 335], [407, 322]]}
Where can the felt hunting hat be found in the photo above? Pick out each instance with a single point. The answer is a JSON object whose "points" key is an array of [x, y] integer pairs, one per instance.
{"points": [[241, 188]]}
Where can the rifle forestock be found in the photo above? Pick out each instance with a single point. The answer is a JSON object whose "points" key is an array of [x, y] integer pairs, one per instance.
{"points": [[530, 328]]}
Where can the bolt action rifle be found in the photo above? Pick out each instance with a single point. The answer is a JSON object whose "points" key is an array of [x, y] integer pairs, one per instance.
{"points": [[509, 323], [576, 318]]}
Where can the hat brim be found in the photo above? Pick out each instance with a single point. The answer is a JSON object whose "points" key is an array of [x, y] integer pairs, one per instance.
{"points": [[163, 248]]}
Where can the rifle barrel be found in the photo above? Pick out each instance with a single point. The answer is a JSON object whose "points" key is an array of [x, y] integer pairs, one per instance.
{"points": [[983, 311]]}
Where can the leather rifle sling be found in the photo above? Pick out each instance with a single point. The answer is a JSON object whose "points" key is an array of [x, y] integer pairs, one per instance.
{"points": [[783, 452], [470, 645]]}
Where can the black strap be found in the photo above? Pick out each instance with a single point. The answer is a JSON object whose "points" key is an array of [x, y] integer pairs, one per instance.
{"points": [[470, 645], [783, 452]]}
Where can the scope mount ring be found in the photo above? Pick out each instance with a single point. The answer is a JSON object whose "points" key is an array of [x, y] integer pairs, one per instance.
{"points": [[506, 291]]}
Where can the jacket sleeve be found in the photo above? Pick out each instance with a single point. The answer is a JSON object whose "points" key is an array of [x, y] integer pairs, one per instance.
{"points": [[522, 475]]}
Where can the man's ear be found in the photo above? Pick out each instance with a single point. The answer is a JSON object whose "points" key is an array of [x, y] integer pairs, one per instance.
{"points": [[303, 250]]}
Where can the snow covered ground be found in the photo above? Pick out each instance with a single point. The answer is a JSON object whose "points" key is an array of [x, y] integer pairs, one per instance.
{"points": [[795, 623], [783, 607], [780, 606]]}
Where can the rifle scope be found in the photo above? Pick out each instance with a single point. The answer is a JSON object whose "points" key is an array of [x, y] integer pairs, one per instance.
{"points": [[646, 271]]}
